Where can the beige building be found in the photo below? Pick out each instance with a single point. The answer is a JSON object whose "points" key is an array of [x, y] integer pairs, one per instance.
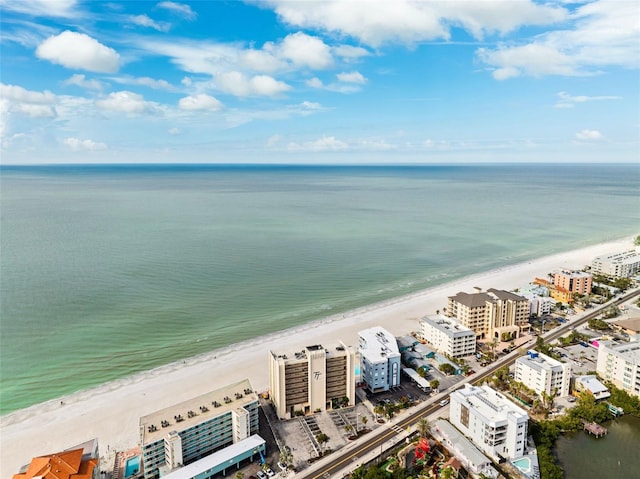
{"points": [[490, 313], [311, 380], [573, 281], [620, 364]]}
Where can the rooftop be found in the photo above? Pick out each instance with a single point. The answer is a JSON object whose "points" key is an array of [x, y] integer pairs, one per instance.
{"points": [[339, 350], [465, 447], [489, 403], [194, 411], [632, 324], [449, 326], [378, 344], [61, 465], [539, 361], [592, 384], [477, 300]]}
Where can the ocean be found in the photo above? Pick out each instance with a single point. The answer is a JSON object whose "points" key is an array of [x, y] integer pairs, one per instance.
{"points": [[106, 271]]}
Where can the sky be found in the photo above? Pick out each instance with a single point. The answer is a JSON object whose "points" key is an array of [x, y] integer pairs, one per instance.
{"points": [[319, 81]]}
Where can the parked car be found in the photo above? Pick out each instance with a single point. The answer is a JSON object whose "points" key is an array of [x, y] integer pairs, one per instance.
{"points": [[282, 466], [262, 475], [270, 472], [444, 402]]}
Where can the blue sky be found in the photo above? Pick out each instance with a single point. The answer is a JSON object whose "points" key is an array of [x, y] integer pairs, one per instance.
{"points": [[331, 81]]}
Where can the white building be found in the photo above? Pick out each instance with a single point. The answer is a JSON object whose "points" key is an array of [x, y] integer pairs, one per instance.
{"points": [[312, 380], [493, 423], [617, 265], [379, 359], [187, 432], [543, 374], [591, 384], [448, 336], [620, 364]]}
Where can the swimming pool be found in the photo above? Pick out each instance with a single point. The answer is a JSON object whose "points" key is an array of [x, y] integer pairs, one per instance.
{"points": [[524, 464], [132, 467]]}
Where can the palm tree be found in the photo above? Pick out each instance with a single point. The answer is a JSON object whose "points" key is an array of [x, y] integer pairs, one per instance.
{"points": [[423, 426], [322, 438], [239, 475], [348, 428], [364, 420], [379, 411]]}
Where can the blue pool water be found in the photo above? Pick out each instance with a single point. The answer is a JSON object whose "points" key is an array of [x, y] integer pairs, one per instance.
{"points": [[524, 464], [132, 467]]}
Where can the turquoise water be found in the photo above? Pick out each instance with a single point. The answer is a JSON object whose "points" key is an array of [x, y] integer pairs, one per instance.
{"points": [[524, 464], [107, 271], [132, 466]]}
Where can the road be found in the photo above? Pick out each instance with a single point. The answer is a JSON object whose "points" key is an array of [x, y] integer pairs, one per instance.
{"points": [[337, 461]]}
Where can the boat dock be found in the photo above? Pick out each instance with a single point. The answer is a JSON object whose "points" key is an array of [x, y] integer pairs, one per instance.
{"points": [[596, 429]]}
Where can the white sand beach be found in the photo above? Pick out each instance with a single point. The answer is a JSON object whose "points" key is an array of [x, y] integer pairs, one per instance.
{"points": [[111, 411]]}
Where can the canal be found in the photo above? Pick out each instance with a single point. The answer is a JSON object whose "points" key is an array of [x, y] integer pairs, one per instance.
{"points": [[616, 455]]}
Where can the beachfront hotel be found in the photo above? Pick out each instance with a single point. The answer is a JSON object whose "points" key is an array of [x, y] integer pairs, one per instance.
{"points": [[490, 314], [493, 423], [379, 359], [194, 429], [448, 336], [617, 265], [78, 462], [620, 364], [543, 374], [573, 281], [312, 379]]}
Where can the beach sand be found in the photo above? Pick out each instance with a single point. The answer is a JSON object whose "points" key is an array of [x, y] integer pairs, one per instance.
{"points": [[111, 412]]}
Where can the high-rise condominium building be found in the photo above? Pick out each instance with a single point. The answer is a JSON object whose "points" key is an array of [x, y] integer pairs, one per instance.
{"points": [[448, 336], [573, 281], [311, 380], [543, 374], [617, 265], [491, 313], [620, 364]]}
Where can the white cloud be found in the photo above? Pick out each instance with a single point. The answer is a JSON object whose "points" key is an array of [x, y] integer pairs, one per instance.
{"points": [[407, 21], [126, 102], [351, 77], [80, 51], [326, 143], [350, 52], [77, 144], [569, 101], [16, 99], [145, 81], [314, 82], [239, 84], [181, 9], [602, 33], [46, 8], [200, 102], [304, 50], [589, 135], [81, 81], [146, 21], [174, 131]]}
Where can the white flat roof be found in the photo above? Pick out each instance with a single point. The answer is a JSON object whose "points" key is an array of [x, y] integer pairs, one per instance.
{"points": [[542, 361], [217, 458], [449, 326], [488, 402], [465, 447], [592, 384], [228, 398], [378, 344]]}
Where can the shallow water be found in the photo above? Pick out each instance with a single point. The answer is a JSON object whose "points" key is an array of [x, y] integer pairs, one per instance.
{"points": [[107, 271]]}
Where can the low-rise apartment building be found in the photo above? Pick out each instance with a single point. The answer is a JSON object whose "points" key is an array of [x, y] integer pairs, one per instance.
{"points": [[620, 364], [448, 336], [617, 265], [573, 281], [187, 432], [543, 374], [495, 425], [311, 380], [379, 359], [78, 462]]}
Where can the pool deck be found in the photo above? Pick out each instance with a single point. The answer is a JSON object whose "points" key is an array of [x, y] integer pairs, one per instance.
{"points": [[121, 461]]}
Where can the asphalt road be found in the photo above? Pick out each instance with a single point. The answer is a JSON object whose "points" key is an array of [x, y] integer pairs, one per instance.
{"points": [[375, 440]]}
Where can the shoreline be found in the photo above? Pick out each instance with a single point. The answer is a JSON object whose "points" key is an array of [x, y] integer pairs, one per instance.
{"points": [[99, 411]]}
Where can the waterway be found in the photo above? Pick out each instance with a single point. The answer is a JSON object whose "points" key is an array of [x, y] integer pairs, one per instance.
{"points": [[617, 455]]}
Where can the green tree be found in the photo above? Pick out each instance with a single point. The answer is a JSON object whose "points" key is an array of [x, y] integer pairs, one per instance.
{"points": [[322, 439], [636, 241], [364, 420], [239, 475], [447, 369], [379, 411], [423, 426], [434, 383]]}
